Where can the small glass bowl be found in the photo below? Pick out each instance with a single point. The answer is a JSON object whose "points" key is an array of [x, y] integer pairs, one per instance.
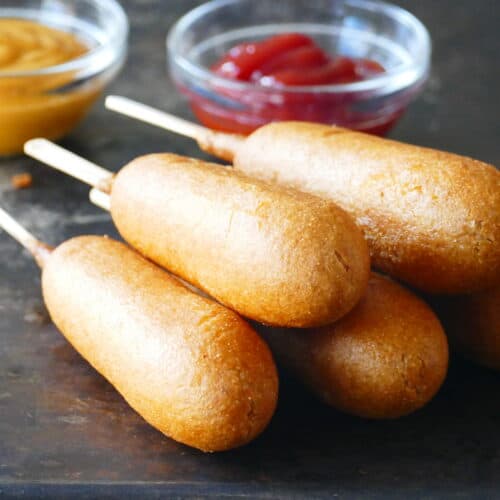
{"points": [[49, 102], [365, 29]]}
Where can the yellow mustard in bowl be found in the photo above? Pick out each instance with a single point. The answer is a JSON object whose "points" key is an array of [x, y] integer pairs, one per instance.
{"points": [[34, 99]]}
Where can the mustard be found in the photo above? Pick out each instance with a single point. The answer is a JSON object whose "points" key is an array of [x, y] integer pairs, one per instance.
{"points": [[31, 104]]}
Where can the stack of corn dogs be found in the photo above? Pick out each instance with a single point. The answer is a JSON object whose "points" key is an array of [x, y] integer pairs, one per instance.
{"points": [[286, 238]]}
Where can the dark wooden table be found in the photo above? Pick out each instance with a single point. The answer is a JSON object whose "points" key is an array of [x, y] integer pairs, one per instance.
{"points": [[64, 432]]}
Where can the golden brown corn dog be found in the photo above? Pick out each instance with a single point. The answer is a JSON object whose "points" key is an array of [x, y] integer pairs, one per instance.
{"points": [[431, 218], [385, 359], [472, 323], [276, 255], [190, 367]]}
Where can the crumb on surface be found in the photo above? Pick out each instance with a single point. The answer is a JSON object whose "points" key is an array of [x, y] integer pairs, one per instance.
{"points": [[21, 181]]}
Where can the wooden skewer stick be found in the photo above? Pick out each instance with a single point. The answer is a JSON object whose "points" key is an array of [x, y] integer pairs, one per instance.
{"points": [[154, 116], [100, 199], [220, 144], [69, 163], [39, 250]]}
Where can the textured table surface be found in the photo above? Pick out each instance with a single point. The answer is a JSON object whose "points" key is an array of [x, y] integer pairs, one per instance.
{"points": [[65, 432]]}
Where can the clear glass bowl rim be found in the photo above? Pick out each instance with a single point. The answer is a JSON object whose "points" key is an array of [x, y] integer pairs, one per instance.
{"points": [[412, 72], [82, 62]]}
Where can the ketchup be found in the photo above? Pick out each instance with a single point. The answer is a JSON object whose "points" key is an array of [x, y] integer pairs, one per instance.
{"points": [[280, 63]]}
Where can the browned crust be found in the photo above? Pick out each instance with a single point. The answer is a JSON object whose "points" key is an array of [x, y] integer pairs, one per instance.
{"points": [[385, 359], [190, 367], [274, 255], [431, 218]]}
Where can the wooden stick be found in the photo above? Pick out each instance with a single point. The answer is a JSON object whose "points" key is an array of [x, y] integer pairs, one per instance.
{"points": [[69, 163], [154, 116], [220, 144], [100, 199], [39, 250]]}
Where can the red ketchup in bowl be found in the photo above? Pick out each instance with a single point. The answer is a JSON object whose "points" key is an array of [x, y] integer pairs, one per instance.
{"points": [[276, 65]]}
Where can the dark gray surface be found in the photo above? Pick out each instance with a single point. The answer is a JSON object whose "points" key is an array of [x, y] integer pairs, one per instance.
{"points": [[64, 432]]}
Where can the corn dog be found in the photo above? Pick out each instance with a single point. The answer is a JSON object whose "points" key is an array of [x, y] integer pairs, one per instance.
{"points": [[431, 218], [190, 367], [385, 359]]}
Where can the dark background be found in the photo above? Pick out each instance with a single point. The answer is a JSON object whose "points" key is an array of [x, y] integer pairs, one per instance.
{"points": [[65, 432]]}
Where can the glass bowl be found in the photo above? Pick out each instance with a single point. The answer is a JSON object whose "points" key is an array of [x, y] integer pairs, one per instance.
{"points": [[368, 29], [50, 101]]}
